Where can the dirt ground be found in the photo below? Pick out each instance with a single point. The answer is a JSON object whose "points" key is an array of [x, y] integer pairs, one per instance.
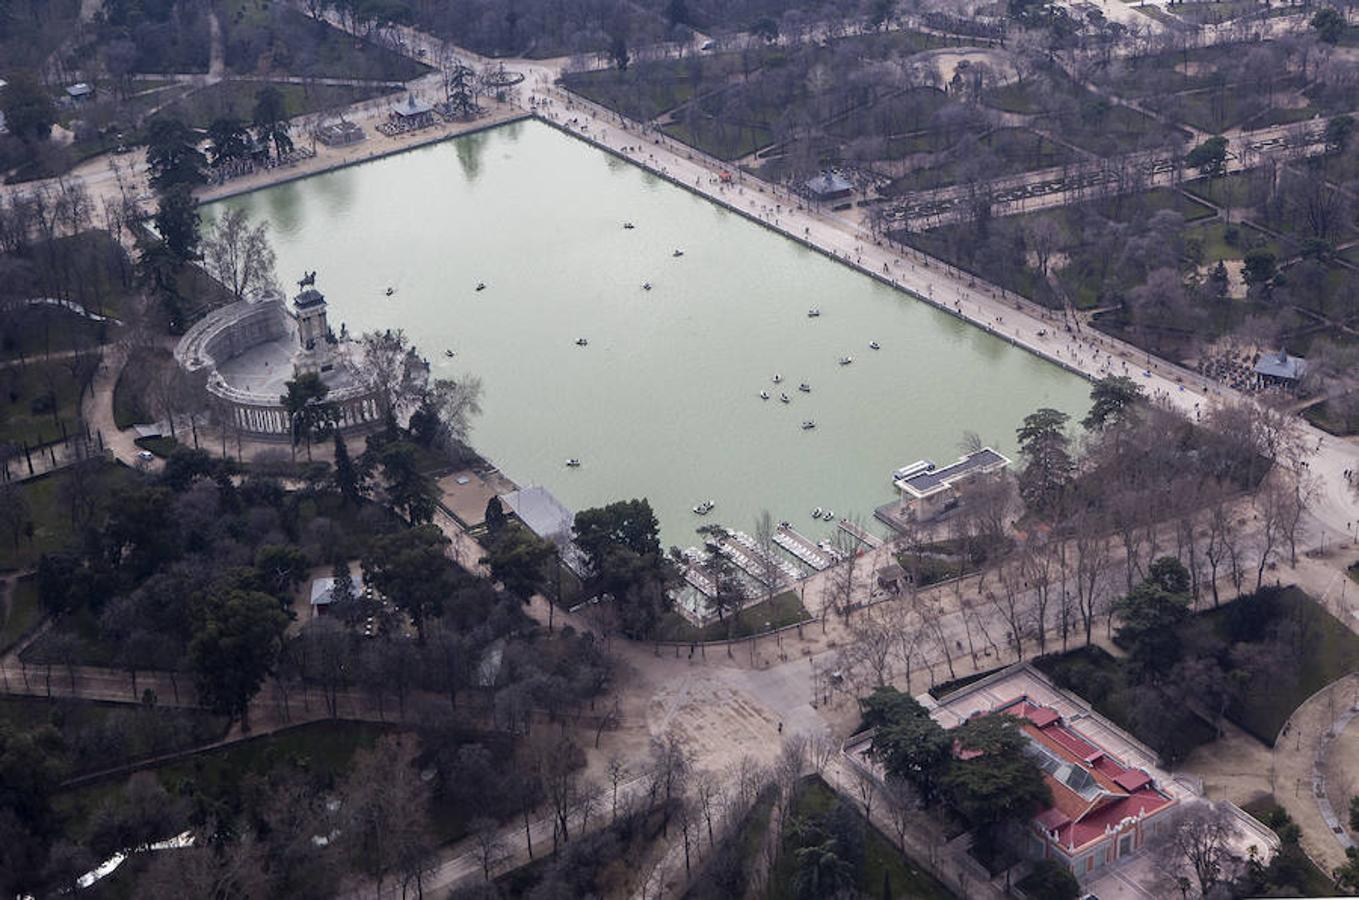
{"points": [[1235, 767], [1342, 774]]}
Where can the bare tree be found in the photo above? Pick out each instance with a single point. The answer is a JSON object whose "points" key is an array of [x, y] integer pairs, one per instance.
{"points": [[1271, 511], [788, 769], [1301, 489], [710, 794], [767, 560], [1092, 561], [1198, 844], [393, 371], [843, 575], [618, 772], [902, 804], [489, 847], [908, 629], [1215, 549], [456, 403], [866, 789], [239, 256], [821, 749], [1012, 602], [872, 645], [387, 807]]}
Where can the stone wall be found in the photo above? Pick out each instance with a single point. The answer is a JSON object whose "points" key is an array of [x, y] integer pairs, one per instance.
{"points": [[230, 331]]}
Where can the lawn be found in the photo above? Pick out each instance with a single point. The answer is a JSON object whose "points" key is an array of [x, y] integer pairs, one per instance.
{"points": [[1106, 129], [1124, 207], [1291, 865], [722, 139], [50, 523], [881, 856], [1213, 110], [1023, 97], [41, 330], [104, 735], [21, 610], [162, 446], [1332, 651], [642, 92], [39, 404], [1015, 150], [324, 749], [1215, 12], [1324, 416], [128, 406], [744, 845], [911, 112], [49, 514], [785, 609], [270, 36], [1238, 190], [1220, 240], [237, 99], [1164, 73]]}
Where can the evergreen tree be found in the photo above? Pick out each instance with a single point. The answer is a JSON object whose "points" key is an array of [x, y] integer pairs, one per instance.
{"points": [[348, 479], [28, 108], [172, 154], [177, 221]]}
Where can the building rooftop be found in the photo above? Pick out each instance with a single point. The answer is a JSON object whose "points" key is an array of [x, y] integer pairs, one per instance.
{"points": [[925, 478], [829, 183], [1098, 774], [1281, 365], [321, 590], [413, 106], [546, 517]]}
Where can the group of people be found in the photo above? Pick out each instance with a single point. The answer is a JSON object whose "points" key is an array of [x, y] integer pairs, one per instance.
{"points": [[1234, 368], [225, 171]]}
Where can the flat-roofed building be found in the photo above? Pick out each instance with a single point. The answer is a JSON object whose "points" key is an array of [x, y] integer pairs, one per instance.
{"points": [[544, 515], [927, 489]]}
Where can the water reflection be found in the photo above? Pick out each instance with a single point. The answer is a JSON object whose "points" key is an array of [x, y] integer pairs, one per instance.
{"points": [[663, 401]]}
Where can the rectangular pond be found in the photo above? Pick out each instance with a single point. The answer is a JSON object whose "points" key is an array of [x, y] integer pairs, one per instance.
{"points": [[664, 402]]}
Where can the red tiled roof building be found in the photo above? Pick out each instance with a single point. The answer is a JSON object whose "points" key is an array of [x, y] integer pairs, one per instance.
{"points": [[1101, 809]]}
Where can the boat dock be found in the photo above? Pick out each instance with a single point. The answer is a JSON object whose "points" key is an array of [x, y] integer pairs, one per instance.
{"points": [[701, 583], [858, 532], [802, 548], [790, 571], [748, 559]]}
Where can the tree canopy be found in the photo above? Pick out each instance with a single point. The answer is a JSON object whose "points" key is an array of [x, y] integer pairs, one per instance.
{"points": [[1001, 783], [172, 154], [28, 108], [411, 568], [518, 559], [1111, 398], [1209, 157], [909, 743], [177, 221], [1048, 465], [625, 524], [235, 648], [1152, 614]]}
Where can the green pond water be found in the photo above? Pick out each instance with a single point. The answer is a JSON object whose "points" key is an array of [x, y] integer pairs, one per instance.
{"points": [[664, 401]]}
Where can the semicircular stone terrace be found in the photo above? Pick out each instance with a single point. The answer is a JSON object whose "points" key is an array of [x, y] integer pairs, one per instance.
{"points": [[250, 349]]}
